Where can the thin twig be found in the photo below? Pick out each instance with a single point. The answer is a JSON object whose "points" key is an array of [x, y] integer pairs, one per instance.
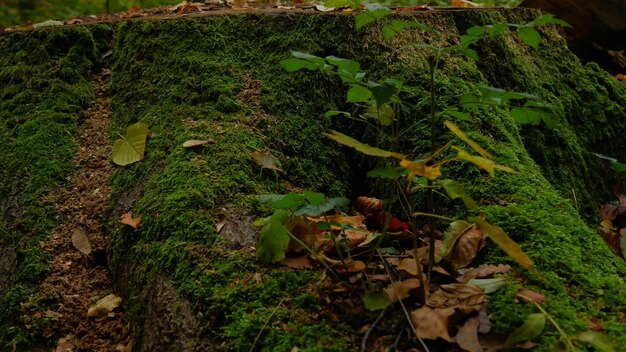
{"points": [[264, 325], [369, 331]]}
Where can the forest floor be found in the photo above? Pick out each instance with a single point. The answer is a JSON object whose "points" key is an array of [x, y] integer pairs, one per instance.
{"points": [[78, 273]]}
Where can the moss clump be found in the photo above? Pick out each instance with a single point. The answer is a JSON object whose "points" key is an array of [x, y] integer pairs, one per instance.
{"points": [[44, 89]]}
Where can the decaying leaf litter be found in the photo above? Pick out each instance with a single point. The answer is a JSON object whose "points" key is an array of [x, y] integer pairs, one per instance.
{"points": [[87, 315]]}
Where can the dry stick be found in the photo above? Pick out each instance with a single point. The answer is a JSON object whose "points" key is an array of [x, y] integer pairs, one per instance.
{"points": [[266, 322], [406, 312], [397, 341], [369, 331], [430, 203]]}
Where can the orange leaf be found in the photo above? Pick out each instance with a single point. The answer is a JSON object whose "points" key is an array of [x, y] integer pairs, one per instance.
{"points": [[127, 219]]}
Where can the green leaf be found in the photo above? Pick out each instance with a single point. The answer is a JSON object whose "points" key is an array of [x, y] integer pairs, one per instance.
{"points": [[549, 19], [392, 173], [321, 208], [314, 198], [532, 327], [348, 70], [358, 94], [489, 285], [598, 340], [375, 301], [361, 147], [535, 112], [530, 36], [510, 247], [382, 92], [332, 113], [463, 116], [476, 31], [397, 26], [386, 115], [367, 17], [308, 57], [294, 64], [130, 148], [497, 28], [455, 190], [289, 201], [274, 238], [471, 53]]}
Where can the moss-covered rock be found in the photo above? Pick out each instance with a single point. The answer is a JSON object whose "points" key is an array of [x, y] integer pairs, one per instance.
{"points": [[218, 78]]}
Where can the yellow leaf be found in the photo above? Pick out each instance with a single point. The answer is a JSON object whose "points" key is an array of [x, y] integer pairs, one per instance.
{"points": [[457, 131], [420, 169], [130, 148], [486, 164], [361, 147], [510, 247]]}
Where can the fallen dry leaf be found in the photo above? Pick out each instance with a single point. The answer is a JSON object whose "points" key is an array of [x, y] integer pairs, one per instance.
{"points": [[460, 296], [52, 314], [219, 226], [80, 240], [302, 262], [467, 247], [400, 290], [407, 266], [482, 271], [351, 266], [125, 348], [127, 219], [104, 306], [467, 337], [483, 317], [530, 296], [65, 344], [193, 143], [432, 323], [368, 206], [265, 160]]}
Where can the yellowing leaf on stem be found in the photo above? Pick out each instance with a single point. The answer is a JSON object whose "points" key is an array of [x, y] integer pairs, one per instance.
{"points": [[130, 148], [509, 246], [457, 131], [420, 169], [361, 147], [486, 164]]}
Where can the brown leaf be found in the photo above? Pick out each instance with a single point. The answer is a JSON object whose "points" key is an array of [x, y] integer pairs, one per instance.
{"points": [[351, 266], [65, 344], [612, 211], [80, 240], [265, 160], [368, 206], [302, 262], [432, 323], [127, 219], [354, 237], [485, 322], [125, 348], [460, 296], [193, 143], [52, 314], [400, 290], [467, 247], [104, 306], [530, 296], [354, 221], [467, 337], [408, 266], [482, 271]]}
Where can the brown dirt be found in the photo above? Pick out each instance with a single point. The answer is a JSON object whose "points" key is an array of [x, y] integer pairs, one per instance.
{"points": [[78, 280]]}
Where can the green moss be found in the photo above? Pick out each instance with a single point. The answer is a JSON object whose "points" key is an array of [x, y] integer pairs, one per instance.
{"points": [[44, 88]]}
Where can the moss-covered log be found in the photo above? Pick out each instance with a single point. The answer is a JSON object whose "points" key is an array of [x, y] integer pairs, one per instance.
{"points": [[189, 288]]}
